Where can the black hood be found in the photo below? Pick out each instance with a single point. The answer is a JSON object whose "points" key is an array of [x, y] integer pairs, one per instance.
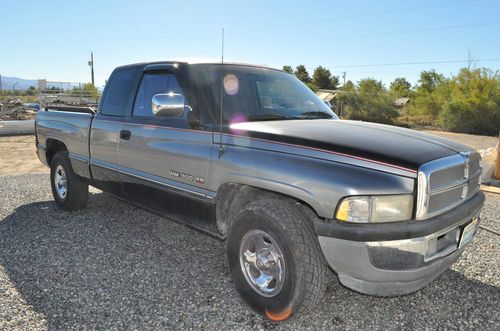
{"points": [[382, 143]]}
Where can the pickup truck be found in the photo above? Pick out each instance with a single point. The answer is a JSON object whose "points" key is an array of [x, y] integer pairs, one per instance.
{"points": [[251, 156]]}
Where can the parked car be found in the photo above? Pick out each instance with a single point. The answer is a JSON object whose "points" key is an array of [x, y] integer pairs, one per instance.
{"points": [[251, 156]]}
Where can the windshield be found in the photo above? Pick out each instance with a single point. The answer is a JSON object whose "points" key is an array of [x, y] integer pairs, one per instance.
{"points": [[260, 94]]}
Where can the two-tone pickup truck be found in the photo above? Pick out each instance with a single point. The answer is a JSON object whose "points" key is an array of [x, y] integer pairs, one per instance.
{"points": [[251, 156]]}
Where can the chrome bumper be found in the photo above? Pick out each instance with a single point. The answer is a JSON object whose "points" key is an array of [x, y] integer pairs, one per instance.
{"points": [[394, 267]]}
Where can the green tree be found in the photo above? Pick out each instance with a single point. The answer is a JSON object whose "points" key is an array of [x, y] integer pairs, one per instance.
{"points": [[429, 81], [432, 91], [400, 87], [90, 90], [369, 101], [473, 105], [349, 86], [370, 86], [302, 74], [288, 69], [323, 79]]}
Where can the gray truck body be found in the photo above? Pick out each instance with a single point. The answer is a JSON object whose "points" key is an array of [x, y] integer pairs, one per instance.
{"points": [[196, 175]]}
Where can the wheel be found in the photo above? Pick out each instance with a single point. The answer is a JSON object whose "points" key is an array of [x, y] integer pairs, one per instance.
{"points": [[70, 191], [275, 259]]}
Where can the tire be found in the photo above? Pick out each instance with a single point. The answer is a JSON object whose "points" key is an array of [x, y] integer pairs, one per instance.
{"points": [[76, 191], [303, 266]]}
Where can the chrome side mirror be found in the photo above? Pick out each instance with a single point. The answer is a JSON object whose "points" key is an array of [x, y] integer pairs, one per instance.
{"points": [[168, 105]]}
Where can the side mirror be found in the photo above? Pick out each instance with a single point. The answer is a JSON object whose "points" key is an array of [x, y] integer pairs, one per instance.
{"points": [[168, 105]]}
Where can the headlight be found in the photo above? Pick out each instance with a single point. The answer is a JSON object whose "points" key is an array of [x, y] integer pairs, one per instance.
{"points": [[376, 209]]}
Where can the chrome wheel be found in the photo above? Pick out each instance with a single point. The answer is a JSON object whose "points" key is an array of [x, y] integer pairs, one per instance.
{"points": [[60, 182], [262, 263]]}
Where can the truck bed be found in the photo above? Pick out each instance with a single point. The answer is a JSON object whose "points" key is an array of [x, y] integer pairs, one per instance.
{"points": [[69, 127]]}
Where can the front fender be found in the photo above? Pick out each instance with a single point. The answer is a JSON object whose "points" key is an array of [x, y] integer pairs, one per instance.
{"points": [[319, 183]]}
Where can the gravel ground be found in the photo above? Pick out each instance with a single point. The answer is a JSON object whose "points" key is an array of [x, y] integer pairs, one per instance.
{"points": [[114, 266], [474, 141]]}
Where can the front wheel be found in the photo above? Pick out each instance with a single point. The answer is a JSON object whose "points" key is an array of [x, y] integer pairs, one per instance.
{"points": [[275, 259], [69, 190]]}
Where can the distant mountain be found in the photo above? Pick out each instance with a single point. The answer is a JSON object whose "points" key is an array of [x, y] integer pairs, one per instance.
{"points": [[24, 84]]}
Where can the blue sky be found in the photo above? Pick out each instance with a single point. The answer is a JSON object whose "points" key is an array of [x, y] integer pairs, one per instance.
{"points": [[52, 39]]}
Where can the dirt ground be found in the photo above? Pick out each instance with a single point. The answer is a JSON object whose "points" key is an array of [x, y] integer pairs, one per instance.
{"points": [[474, 141], [18, 153], [18, 156]]}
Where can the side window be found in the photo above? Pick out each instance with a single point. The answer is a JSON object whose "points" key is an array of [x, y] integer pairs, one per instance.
{"points": [[151, 84], [119, 92]]}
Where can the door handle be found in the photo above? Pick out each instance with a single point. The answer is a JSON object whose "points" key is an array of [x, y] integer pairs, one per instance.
{"points": [[125, 134]]}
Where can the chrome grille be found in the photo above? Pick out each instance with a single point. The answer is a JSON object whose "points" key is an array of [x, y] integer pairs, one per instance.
{"points": [[445, 198], [445, 183], [446, 176], [474, 163]]}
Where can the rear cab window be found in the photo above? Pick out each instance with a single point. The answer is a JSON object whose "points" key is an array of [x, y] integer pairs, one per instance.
{"points": [[120, 92]]}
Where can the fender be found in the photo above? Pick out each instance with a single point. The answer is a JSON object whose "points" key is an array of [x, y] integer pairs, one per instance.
{"points": [[317, 182]]}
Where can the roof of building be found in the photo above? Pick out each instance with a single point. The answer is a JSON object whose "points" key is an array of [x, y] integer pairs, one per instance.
{"points": [[401, 102], [326, 95]]}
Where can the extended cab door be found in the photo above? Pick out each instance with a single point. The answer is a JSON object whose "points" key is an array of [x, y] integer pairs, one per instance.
{"points": [[104, 133], [164, 160]]}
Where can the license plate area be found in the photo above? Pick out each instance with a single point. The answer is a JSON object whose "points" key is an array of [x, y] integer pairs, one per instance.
{"points": [[468, 232]]}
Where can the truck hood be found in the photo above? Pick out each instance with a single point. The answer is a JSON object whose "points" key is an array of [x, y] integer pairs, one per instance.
{"points": [[381, 143]]}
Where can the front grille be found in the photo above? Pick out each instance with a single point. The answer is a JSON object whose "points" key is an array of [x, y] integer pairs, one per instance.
{"points": [[445, 198], [446, 176], [445, 183]]}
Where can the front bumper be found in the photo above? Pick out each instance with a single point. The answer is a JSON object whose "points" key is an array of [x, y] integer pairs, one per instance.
{"points": [[400, 261]]}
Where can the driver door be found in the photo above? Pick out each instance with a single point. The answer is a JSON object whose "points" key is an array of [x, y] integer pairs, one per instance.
{"points": [[164, 161]]}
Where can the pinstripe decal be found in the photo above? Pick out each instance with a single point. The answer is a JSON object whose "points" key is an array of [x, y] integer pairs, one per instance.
{"points": [[276, 142]]}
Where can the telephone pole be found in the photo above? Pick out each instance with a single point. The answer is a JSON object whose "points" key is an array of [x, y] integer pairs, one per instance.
{"points": [[1, 87], [91, 64], [343, 76]]}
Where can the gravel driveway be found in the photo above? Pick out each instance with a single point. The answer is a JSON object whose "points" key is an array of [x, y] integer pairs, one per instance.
{"points": [[114, 266], [471, 140]]}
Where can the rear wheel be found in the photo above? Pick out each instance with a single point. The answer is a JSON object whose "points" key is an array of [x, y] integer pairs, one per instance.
{"points": [[69, 190], [275, 259]]}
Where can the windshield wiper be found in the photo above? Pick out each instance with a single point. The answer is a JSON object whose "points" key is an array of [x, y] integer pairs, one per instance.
{"points": [[276, 117], [271, 117], [316, 114]]}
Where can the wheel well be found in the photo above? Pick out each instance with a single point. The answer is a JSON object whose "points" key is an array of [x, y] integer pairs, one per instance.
{"points": [[231, 197], [53, 146]]}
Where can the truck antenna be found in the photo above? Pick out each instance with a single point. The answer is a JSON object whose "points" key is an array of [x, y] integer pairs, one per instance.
{"points": [[221, 150]]}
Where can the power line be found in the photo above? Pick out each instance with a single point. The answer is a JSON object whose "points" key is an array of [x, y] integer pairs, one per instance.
{"points": [[392, 11], [408, 63], [390, 33]]}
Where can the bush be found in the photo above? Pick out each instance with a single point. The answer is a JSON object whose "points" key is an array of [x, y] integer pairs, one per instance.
{"points": [[416, 121]]}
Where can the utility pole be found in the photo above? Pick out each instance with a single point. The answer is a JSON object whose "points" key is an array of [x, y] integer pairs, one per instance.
{"points": [[91, 64], [343, 76], [1, 87]]}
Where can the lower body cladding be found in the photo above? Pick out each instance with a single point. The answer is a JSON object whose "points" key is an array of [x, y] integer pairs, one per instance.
{"points": [[390, 267]]}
